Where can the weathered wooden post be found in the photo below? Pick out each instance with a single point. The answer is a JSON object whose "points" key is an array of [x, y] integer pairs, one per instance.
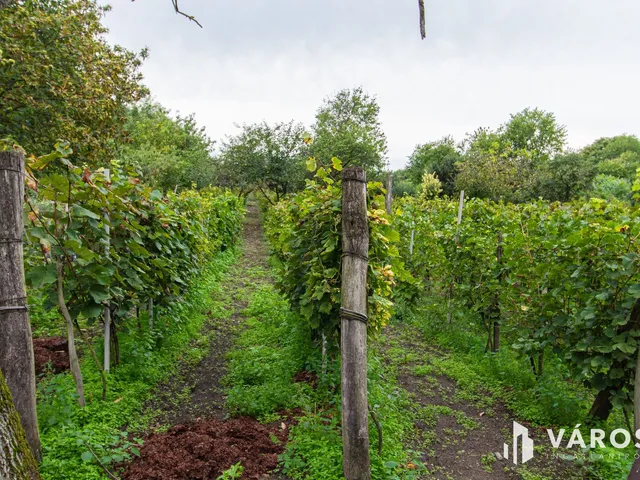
{"points": [[16, 347], [388, 199], [353, 314], [450, 293]]}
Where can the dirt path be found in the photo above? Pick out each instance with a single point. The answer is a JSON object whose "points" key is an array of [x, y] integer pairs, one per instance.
{"points": [[195, 438], [196, 391], [461, 432]]}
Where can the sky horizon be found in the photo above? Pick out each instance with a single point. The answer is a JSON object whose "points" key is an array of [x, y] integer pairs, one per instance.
{"points": [[277, 60]]}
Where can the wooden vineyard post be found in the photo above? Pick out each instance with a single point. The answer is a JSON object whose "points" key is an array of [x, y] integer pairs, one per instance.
{"points": [[450, 293], [353, 341], [496, 313], [413, 233], [150, 314], [388, 199], [16, 347], [107, 308]]}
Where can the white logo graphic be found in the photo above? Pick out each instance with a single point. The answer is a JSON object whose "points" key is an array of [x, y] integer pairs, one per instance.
{"points": [[527, 444]]}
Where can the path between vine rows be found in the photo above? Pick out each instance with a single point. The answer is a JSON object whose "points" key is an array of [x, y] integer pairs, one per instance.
{"points": [[203, 441], [455, 436], [460, 432]]}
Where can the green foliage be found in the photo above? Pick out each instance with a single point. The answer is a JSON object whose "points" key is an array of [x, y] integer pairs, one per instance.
{"points": [[305, 235], [61, 78], [262, 157], [234, 472], [431, 186], [170, 152], [608, 187], [273, 348], [568, 279], [348, 127], [314, 449], [565, 177], [66, 430], [536, 132], [439, 158], [149, 245]]}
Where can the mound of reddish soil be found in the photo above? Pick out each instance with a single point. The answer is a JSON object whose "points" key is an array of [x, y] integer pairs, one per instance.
{"points": [[203, 450], [53, 351]]}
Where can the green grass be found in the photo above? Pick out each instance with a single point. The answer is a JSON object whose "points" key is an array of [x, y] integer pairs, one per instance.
{"points": [[276, 345], [551, 400], [148, 359]]}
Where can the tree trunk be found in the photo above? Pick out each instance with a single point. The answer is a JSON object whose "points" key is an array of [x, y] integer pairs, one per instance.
{"points": [[602, 406], [16, 347], [16, 459], [74, 364], [355, 249]]}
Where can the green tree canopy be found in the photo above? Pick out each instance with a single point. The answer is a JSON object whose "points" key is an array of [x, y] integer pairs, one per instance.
{"points": [[348, 127], [59, 78], [440, 158], [265, 156], [169, 151]]}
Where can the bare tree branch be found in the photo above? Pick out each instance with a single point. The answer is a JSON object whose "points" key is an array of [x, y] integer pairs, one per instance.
{"points": [[423, 32], [178, 11]]}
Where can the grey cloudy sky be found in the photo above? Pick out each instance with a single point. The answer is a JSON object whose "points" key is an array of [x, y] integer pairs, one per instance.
{"points": [[276, 60]]}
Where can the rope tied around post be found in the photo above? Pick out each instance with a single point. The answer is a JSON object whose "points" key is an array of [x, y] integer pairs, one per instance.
{"points": [[346, 314], [356, 255]]}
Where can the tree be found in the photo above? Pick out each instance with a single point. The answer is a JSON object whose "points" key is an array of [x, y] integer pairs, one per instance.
{"points": [[61, 79], [507, 163], [495, 177], [263, 157], [170, 151], [565, 177], [608, 187], [614, 156], [536, 132], [440, 158], [431, 186], [17, 460], [348, 127]]}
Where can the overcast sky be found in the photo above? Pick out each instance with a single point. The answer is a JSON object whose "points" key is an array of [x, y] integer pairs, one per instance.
{"points": [[276, 60]]}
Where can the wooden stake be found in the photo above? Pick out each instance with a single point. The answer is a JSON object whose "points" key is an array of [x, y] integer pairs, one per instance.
{"points": [[150, 314], [388, 200], [355, 248], [460, 207], [16, 347], [413, 231], [450, 292], [107, 308], [496, 313]]}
